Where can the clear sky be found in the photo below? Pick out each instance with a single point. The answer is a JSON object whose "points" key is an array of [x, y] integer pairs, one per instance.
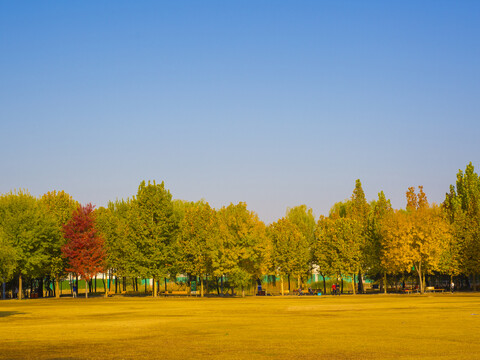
{"points": [[275, 103]]}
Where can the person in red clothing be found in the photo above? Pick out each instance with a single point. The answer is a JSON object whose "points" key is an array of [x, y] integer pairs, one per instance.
{"points": [[334, 289]]}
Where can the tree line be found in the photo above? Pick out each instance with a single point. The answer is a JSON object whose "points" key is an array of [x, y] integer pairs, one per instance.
{"points": [[152, 236]]}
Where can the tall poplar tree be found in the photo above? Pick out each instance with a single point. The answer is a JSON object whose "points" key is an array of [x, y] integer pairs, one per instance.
{"points": [[380, 209], [359, 210], [462, 205]]}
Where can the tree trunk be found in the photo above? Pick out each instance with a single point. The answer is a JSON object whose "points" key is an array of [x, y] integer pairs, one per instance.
{"points": [[243, 291], [165, 280], [420, 280], [20, 287], [281, 279], [86, 288], [95, 283], [201, 286], [76, 281], [361, 283], [324, 285], [299, 281], [221, 282], [105, 285], [384, 282], [57, 287], [353, 284], [341, 291], [154, 290], [289, 283]]}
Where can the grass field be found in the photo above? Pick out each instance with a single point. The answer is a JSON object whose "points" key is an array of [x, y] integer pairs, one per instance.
{"points": [[441, 326]]}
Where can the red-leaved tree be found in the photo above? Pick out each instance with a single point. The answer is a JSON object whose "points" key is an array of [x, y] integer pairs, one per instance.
{"points": [[84, 248]]}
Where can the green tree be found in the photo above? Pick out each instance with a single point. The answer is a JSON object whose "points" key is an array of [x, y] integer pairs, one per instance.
{"points": [[462, 205], [60, 206], [338, 250], [113, 223], [360, 210], [32, 232], [380, 208], [154, 225], [291, 250], [303, 218], [198, 240], [7, 260], [244, 244]]}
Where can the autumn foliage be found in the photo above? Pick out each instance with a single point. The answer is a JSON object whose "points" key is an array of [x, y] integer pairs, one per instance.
{"points": [[84, 248], [152, 236]]}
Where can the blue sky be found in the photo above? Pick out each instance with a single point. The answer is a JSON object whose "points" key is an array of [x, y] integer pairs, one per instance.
{"points": [[273, 103]]}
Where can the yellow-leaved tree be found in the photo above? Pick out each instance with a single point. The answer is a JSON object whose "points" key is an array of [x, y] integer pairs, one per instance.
{"points": [[416, 238]]}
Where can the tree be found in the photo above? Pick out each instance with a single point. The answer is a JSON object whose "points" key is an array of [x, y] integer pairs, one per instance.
{"points": [[154, 226], [359, 211], [30, 230], [303, 218], [244, 244], [197, 240], [396, 231], [380, 208], [60, 206], [338, 249], [356, 208], [113, 223], [7, 260], [462, 205], [84, 249], [416, 238], [291, 250]]}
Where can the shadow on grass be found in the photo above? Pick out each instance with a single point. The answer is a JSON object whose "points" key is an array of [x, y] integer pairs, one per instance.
{"points": [[10, 313]]}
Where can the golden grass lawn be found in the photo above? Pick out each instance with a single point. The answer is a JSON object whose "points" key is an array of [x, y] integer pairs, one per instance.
{"points": [[441, 326]]}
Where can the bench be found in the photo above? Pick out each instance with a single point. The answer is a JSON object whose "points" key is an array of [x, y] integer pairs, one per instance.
{"points": [[178, 292], [432, 289]]}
